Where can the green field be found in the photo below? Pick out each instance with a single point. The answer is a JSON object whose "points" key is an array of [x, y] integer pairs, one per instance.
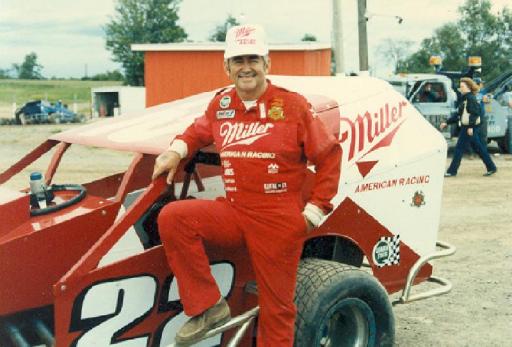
{"points": [[21, 91]]}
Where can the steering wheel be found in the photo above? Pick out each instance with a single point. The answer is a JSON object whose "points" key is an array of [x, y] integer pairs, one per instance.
{"points": [[50, 195]]}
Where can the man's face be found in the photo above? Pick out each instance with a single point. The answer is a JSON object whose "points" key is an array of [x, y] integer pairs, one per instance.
{"points": [[247, 72]]}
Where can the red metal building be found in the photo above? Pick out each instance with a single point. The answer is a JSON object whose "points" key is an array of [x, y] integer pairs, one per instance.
{"points": [[176, 70]]}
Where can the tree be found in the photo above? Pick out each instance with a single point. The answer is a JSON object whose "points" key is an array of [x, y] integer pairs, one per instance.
{"points": [[141, 21], [115, 75], [219, 33], [483, 35], [308, 37], [477, 32], [30, 69], [396, 51], [4, 74]]}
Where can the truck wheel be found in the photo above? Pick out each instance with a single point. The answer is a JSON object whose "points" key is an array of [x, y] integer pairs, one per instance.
{"points": [[508, 137], [340, 305]]}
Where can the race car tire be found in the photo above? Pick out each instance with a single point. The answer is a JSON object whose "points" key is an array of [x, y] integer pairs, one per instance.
{"points": [[81, 192], [340, 305]]}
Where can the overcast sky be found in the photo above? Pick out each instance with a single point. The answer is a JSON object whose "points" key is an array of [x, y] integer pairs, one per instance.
{"points": [[68, 36]]}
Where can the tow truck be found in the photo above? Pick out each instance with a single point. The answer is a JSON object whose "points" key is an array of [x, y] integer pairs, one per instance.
{"points": [[445, 84], [86, 268]]}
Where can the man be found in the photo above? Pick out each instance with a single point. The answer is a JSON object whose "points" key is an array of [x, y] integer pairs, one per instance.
{"points": [[428, 94], [264, 135]]}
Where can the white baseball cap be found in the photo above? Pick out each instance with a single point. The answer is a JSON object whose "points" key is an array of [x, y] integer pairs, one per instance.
{"points": [[245, 40]]}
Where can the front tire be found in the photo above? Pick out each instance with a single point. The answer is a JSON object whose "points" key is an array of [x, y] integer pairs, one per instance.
{"points": [[339, 305]]}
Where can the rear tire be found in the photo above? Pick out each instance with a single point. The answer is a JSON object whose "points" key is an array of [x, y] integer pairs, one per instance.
{"points": [[340, 305]]}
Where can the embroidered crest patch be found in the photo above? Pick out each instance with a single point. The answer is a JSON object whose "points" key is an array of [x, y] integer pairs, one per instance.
{"points": [[225, 101], [276, 110]]}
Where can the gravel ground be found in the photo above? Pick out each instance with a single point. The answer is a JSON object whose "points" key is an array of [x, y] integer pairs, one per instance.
{"points": [[476, 217]]}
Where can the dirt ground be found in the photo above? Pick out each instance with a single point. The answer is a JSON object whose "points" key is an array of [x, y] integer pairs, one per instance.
{"points": [[476, 217]]}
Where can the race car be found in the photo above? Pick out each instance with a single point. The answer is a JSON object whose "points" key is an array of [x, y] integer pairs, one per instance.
{"points": [[82, 265]]}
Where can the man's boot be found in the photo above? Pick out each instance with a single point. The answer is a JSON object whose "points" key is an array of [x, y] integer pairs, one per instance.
{"points": [[196, 327]]}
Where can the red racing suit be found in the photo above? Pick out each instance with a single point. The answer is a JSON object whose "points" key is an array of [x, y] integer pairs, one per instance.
{"points": [[264, 152]]}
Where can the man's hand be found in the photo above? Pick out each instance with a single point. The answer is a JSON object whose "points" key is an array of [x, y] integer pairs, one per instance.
{"points": [[168, 161], [309, 225], [442, 125], [470, 131]]}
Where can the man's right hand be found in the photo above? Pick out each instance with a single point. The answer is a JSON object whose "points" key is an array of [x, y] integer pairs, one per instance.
{"points": [[443, 125], [168, 161]]}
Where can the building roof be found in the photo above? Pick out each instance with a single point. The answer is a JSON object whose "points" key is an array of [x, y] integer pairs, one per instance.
{"points": [[219, 46]]}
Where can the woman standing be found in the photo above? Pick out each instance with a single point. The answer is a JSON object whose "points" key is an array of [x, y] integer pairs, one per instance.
{"points": [[468, 117]]}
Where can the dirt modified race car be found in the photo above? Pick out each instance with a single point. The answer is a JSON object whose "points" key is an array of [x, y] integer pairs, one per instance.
{"points": [[85, 266]]}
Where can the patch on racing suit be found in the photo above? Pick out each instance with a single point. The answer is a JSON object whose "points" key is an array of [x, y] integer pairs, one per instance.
{"points": [[243, 133], [272, 188], [276, 110], [225, 114], [225, 101], [247, 154], [273, 168]]}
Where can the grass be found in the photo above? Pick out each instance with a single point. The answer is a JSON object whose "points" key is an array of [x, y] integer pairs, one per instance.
{"points": [[69, 91]]}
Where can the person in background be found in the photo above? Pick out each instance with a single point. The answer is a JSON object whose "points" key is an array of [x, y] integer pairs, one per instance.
{"points": [[428, 94], [468, 116]]}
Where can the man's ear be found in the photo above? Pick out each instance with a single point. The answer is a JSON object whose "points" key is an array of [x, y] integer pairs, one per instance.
{"points": [[268, 65], [226, 67]]}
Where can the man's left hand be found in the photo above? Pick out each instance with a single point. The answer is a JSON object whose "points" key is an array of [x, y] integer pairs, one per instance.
{"points": [[470, 131]]}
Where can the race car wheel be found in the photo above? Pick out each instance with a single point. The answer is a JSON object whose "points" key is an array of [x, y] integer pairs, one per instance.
{"points": [[339, 305], [62, 190]]}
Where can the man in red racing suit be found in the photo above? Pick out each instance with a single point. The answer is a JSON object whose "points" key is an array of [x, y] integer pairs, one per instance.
{"points": [[265, 135]]}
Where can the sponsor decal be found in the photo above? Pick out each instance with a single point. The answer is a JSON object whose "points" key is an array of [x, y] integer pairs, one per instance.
{"points": [[386, 251], [418, 199], [226, 163], [273, 168], [370, 131], [247, 154], [107, 307], [391, 183], [280, 187], [226, 114], [230, 189], [243, 133], [263, 113], [229, 181], [243, 32], [229, 172], [242, 36], [276, 112], [225, 101]]}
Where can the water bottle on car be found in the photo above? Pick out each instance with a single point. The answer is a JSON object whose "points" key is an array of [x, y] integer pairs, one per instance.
{"points": [[38, 188]]}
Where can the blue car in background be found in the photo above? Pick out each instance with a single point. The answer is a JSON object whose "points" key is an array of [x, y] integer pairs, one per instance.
{"points": [[41, 111]]}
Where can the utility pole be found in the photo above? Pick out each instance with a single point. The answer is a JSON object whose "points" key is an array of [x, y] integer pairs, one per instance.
{"points": [[337, 36], [363, 37]]}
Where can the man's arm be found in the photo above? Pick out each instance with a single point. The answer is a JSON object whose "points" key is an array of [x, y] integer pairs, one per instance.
{"points": [[196, 136], [323, 150]]}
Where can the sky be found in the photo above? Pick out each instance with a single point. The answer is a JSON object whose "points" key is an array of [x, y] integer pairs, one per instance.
{"points": [[69, 40]]}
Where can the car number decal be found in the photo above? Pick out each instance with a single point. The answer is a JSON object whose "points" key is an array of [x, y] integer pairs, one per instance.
{"points": [[106, 310]]}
